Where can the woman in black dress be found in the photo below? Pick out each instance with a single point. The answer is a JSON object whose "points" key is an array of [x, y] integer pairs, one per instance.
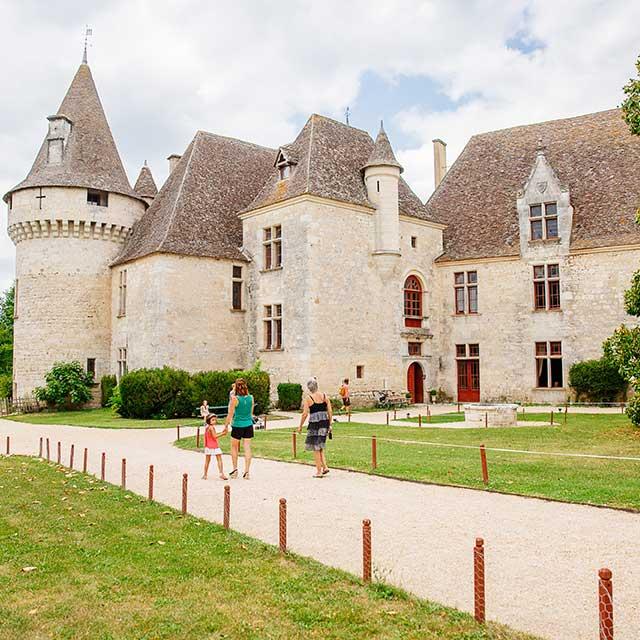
{"points": [[317, 408]]}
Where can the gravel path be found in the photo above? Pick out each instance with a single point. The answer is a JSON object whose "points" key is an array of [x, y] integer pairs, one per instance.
{"points": [[542, 557]]}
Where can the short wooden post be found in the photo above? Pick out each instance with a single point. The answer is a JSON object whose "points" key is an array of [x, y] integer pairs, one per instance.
{"points": [[483, 460], [40, 449], [103, 464], [150, 489], [85, 460], [226, 512], [374, 453], [486, 420], [8, 445], [605, 604], [48, 450], [294, 447], [428, 414], [198, 438], [394, 413], [565, 413], [419, 419], [185, 479], [59, 453], [349, 417], [178, 429], [123, 480], [282, 528], [265, 421], [552, 417], [478, 581], [71, 455], [387, 418], [458, 407], [366, 550]]}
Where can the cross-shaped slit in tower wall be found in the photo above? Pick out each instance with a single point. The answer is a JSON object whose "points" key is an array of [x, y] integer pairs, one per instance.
{"points": [[39, 198]]}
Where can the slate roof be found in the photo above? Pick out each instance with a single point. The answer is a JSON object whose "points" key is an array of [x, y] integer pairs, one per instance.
{"points": [[330, 158], [91, 158], [196, 210], [594, 155], [145, 185], [382, 153]]}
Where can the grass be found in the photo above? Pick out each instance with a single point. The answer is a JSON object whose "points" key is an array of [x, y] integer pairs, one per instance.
{"points": [[105, 418], [110, 565], [613, 483]]}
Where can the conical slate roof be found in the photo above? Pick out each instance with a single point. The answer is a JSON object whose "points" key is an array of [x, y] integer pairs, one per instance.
{"points": [[145, 185], [91, 158], [382, 153]]}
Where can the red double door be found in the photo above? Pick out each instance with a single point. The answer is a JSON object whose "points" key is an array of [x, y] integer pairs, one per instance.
{"points": [[468, 380]]}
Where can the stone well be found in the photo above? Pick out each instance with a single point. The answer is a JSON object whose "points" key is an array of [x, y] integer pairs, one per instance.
{"points": [[491, 415]]}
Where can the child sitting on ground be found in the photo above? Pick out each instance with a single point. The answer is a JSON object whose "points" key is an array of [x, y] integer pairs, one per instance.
{"points": [[212, 447]]}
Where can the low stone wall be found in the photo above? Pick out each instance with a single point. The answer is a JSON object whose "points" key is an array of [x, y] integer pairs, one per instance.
{"points": [[491, 415]]}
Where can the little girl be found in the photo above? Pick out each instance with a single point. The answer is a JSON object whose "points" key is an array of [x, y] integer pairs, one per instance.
{"points": [[211, 446]]}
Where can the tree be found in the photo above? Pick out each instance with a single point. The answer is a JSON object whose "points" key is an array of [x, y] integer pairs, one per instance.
{"points": [[631, 104], [6, 332], [68, 386]]}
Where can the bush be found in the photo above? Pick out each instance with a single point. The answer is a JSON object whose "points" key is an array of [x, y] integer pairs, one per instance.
{"points": [[633, 410], [596, 380], [107, 385], [289, 396], [68, 386], [5, 385], [155, 393], [214, 387], [172, 393]]}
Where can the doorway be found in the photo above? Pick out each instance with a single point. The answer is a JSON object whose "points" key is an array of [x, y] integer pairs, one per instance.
{"points": [[468, 380], [415, 382]]}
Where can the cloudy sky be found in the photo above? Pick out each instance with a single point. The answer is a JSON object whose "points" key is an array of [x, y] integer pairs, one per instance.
{"points": [[256, 70]]}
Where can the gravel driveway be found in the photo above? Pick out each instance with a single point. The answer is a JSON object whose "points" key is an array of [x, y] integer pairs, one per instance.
{"points": [[541, 557]]}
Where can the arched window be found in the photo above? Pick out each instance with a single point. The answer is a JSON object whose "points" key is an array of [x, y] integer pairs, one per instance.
{"points": [[412, 302]]}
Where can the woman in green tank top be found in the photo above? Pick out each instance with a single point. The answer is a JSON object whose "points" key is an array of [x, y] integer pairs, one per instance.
{"points": [[240, 417]]}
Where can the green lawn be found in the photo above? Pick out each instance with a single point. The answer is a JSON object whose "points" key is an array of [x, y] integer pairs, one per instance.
{"points": [[585, 480], [105, 419], [110, 565]]}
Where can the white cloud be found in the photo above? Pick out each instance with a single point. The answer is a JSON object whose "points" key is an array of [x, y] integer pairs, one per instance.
{"points": [[249, 69]]}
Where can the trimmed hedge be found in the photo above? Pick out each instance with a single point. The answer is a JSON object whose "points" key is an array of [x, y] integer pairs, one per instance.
{"points": [[107, 385], [173, 393], [597, 380], [633, 410], [68, 386], [289, 396]]}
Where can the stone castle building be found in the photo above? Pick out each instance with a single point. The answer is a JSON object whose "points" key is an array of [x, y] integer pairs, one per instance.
{"points": [[317, 257]]}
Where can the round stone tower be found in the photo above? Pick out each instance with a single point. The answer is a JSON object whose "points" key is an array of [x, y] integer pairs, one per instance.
{"points": [[68, 220]]}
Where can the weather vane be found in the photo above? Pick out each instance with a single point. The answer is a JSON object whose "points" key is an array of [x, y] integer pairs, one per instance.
{"points": [[347, 113], [87, 32]]}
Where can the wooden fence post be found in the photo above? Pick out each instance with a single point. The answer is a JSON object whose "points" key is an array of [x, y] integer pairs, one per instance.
{"points": [[185, 479], [150, 490], [366, 550], [123, 480], [71, 455], [374, 453], [85, 460], [294, 444], [226, 512], [483, 461], [103, 465], [478, 581], [605, 604], [282, 525]]}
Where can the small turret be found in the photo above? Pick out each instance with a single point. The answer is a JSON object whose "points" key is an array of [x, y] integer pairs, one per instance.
{"points": [[382, 176], [145, 185]]}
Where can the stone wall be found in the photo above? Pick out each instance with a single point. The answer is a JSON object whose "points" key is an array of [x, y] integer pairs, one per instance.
{"points": [[507, 326], [178, 313], [63, 252]]}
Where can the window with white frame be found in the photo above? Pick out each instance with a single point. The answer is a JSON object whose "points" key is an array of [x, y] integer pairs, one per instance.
{"points": [[543, 220], [466, 292], [272, 327], [122, 362], [546, 287], [272, 247], [549, 365]]}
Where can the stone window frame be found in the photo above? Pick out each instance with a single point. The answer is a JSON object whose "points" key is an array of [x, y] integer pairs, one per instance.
{"points": [[97, 198], [272, 247], [122, 293], [237, 288], [546, 353], [414, 242], [465, 296], [92, 367], [546, 287], [413, 301], [543, 219], [123, 367], [272, 324], [414, 348], [359, 371]]}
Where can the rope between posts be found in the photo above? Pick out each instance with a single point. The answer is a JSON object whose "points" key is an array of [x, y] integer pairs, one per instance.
{"points": [[494, 449]]}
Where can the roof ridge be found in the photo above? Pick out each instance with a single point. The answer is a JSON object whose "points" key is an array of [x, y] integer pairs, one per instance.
{"points": [[543, 122], [342, 124], [312, 118], [218, 135], [174, 209]]}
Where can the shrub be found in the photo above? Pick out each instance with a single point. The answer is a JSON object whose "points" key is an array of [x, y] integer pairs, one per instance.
{"points": [[289, 396], [596, 380], [155, 393], [5, 385], [107, 385], [68, 386], [633, 410], [214, 387]]}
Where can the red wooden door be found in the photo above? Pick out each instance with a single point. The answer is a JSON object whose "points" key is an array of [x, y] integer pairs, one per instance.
{"points": [[415, 382], [469, 380]]}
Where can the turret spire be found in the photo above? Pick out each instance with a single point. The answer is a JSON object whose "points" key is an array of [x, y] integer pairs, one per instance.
{"points": [[87, 32], [382, 153]]}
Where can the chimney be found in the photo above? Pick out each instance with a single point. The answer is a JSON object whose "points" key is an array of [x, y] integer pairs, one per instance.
{"points": [[173, 159], [439, 160]]}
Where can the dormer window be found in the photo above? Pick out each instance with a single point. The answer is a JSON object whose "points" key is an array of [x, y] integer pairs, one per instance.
{"points": [[284, 171], [544, 221], [97, 198]]}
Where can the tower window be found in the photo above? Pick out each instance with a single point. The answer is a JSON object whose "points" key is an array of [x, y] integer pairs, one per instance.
{"points": [[273, 327], [360, 371], [272, 242], [414, 242], [123, 368], [236, 284], [122, 289], [97, 198], [91, 367], [378, 186]]}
